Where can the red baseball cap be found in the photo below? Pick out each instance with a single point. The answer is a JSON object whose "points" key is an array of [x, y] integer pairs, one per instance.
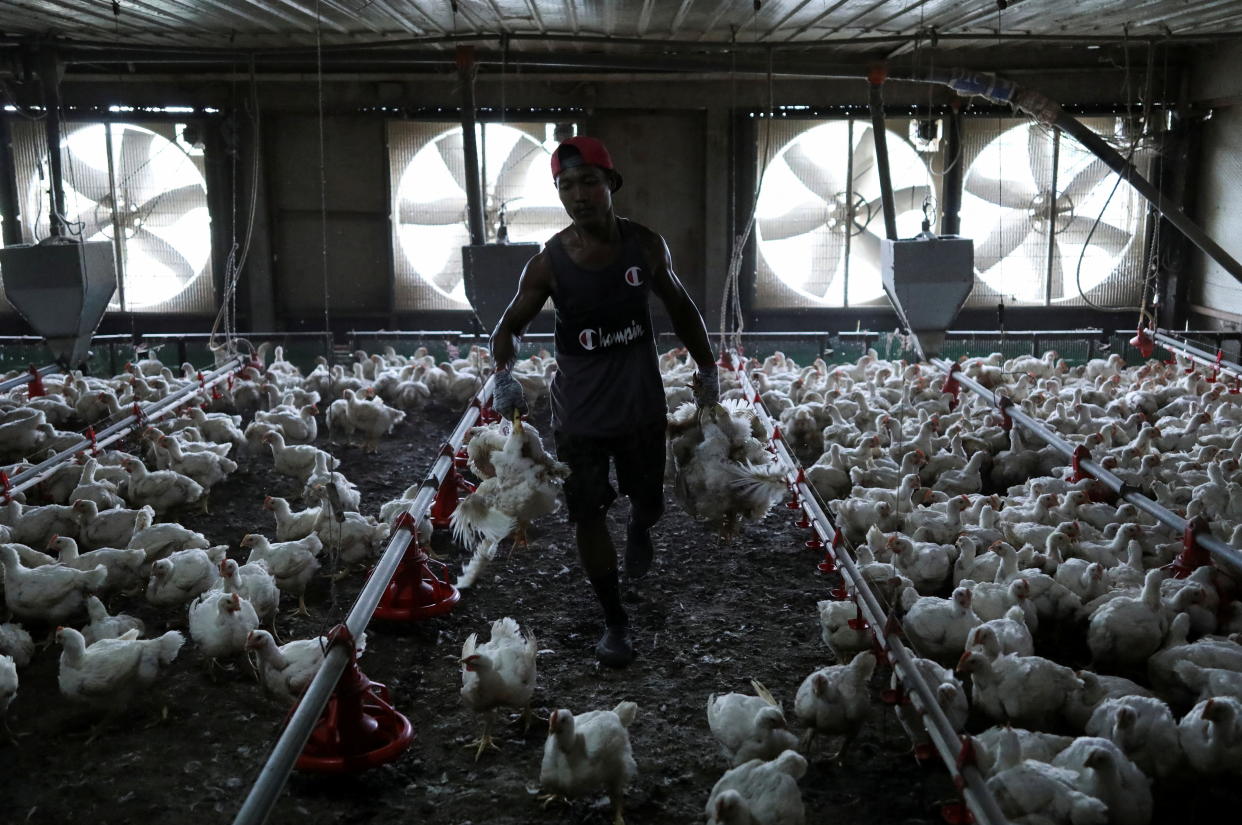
{"points": [[583, 151]]}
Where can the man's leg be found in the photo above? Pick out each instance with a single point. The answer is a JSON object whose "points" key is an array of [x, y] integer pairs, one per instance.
{"points": [[640, 475], [599, 559]]}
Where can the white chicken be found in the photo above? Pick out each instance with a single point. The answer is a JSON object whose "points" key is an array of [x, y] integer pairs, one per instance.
{"points": [[1211, 736], [749, 727], [220, 622], [50, 593], [162, 490], [110, 672], [107, 528], [938, 628], [285, 670], [372, 418], [835, 701], [841, 628], [183, 575], [8, 687], [1023, 690], [724, 474], [254, 583], [16, 643], [590, 752], [1125, 631], [499, 673], [759, 792], [519, 483], [950, 696], [292, 563], [1143, 728], [104, 626], [1107, 774], [295, 460]]}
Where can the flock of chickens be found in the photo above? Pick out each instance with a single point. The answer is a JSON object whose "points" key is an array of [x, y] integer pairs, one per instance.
{"points": [[1036, 605]]}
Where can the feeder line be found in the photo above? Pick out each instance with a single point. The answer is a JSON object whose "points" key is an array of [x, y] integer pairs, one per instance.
{"points": [[1194, 353], [284, 755], [947, 741], [24, 378], [118, 430], [1220, 551]]}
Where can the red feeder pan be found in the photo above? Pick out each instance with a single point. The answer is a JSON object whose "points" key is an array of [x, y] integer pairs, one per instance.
{"points": [[415, 592], [359, 728]]}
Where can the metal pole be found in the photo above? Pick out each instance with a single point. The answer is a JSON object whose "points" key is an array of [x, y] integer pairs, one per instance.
{"points": [[118, 430], [275, 772], [470, 146], [24, 378], [875, 80], [1220, 551], [939, 729], [1196, 354], [49, 76], [950, 220]]}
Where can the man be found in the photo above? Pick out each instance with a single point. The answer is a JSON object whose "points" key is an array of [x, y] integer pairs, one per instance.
{"points": [[607, 396]]}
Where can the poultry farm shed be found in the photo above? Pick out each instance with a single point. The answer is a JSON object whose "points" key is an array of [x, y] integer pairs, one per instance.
{"points": [[960, 541]]}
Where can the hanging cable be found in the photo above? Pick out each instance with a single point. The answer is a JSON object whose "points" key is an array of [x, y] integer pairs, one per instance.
{"points": [[323, 176]]}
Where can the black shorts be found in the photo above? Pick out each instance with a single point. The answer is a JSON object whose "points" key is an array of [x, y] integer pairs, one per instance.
{"points": [[639, 459]]}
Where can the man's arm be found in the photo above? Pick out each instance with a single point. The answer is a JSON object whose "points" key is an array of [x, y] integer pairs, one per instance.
{"points": [[687, 321], [533, 290]]}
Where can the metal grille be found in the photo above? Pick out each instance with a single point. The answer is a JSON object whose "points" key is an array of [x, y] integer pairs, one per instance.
{"points": [[139, 185], [427, 165], [1049, 223], [819, 221]]}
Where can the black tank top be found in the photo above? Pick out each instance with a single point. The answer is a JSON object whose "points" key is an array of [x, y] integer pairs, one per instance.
{"points": [[607, 380]]}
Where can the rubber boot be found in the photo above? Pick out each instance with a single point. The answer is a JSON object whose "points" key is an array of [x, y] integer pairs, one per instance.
{"points": [[614, 648]]}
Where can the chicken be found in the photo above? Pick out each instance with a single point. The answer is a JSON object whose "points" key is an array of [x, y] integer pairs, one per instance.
{"points": [[748, 727], [1211, 736], [298, 425], [589, 752], [104, 626], [220, 622], [183, 575], [101, 491], [16, 643], [1008, 634], [205, 467], [759, 793], [1097, 689], [723, 472], [842, 638], [950, 696], [1143, 728], [835, 701], [520, 483], [296, 460], [372, 418], [110, 672], [1125, 631], [254, 583], [1105, 773], [337, 493], [52, 593], [161, 490], [35, 525], [286, 670], [125, 567], [109, 528], [1032, 791], [1024, 690], [290, 525], [938, 628], [994, 747], [158, 540], [8, 687], [498, 673], [292, 563], [1208, 682]]}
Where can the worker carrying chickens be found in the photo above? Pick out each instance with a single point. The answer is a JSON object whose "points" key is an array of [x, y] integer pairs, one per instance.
{"points": [[607, 396]]}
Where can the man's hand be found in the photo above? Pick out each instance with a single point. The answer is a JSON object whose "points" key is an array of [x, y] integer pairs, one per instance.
{"points": [[507, 395], [706, 386]]}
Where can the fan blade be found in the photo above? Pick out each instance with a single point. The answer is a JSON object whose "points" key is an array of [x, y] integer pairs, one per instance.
{"points": [[513, 171], [450, 276], [93, 220], [865, 249], [819, 179], [440, 212], [1057, 276], [453, 154], [1106, 236], [86, 180], [824, 262], [1039, 152], [806, 217], [1009, 193], [866, 174], [172, 205], [910, 198], [1003, 239], [531, 221], [1080, 187], [158, 249], [135, 176]]}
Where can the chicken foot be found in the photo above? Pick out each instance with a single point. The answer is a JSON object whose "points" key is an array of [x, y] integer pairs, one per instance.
{"points": [[485, 740]]}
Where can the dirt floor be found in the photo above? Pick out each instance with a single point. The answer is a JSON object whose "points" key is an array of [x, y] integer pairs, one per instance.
{"points": [[709, 618]]}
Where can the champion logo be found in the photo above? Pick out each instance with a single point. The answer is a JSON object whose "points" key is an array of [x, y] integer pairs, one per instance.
{"points": [[633, 276], [591, 339]]}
